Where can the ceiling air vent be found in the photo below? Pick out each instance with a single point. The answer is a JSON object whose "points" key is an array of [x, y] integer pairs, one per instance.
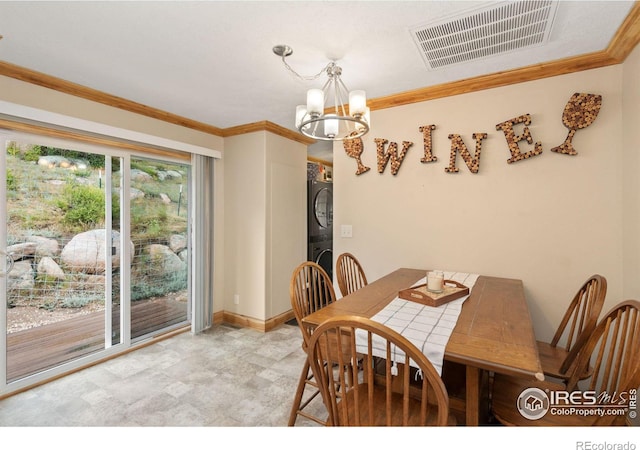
{"points": [[500, 28]]}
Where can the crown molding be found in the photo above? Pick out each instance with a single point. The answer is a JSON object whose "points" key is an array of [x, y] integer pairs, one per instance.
{"points": [[627, 36], [265, 125], [320, 161]]}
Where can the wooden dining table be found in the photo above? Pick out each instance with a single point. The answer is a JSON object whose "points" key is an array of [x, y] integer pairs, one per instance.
{"points": [[494, 332]]}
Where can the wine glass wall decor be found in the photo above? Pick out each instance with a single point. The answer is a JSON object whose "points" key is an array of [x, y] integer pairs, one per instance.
{"points": [[580, 112], [354, 147]]}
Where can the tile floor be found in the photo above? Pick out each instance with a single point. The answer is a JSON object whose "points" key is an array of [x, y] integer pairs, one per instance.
{"points": [[224, 377]]}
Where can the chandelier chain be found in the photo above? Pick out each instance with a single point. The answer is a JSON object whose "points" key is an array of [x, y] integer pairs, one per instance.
{"points": [[303, 77]]}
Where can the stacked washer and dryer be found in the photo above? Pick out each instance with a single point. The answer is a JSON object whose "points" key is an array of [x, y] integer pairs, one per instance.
{"points": [[320, 224]]}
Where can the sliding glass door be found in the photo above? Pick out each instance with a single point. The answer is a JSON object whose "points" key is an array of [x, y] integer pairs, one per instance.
{"points": [[60, 264], [159, 233], [97, 252]]}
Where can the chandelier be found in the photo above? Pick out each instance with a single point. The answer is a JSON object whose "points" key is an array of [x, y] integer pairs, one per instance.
{"points": [[334, 123]]}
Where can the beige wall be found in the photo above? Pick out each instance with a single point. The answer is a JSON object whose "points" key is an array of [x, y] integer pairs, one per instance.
{"points": [[552, 220], [265, 222], [244, 221], [631, 178], [286, 218]]}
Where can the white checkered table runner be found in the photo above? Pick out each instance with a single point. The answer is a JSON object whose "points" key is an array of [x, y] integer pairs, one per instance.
{"points": [[427, 327]]}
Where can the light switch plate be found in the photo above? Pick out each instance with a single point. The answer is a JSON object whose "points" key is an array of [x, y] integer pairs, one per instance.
{"points": [[346, 231]]}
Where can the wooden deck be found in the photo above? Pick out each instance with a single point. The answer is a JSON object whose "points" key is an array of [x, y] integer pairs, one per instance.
{"points": [[36, 349]]}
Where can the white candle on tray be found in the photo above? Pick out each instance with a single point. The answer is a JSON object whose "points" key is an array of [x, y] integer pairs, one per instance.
{"points": [[435, 281]]}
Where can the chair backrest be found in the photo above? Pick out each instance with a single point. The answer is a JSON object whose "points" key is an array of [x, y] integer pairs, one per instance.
{"points": [[613, 350], [356, 374], [310, 289], [581, 317], [350, 275]]}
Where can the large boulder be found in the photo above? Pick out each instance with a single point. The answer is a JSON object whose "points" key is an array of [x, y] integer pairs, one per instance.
{"points": [[165, 198], [169, 174], [86, 252], [51, 161], [135, 193], [21, 276], [177, 243], [139, 175], [44, 246], [22, 251], [48, 268], [163, 260]]}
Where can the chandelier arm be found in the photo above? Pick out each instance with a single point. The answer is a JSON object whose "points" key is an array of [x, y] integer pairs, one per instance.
{"points": [[341, 94], [315, 128], [344, 100], [325, 89], [336, 98], [326, 83]]}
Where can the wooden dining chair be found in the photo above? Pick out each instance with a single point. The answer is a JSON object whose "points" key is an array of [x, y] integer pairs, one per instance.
{"points": [[350, 274], [579, 320], [351, 385], [612, 350], [310, 289]]}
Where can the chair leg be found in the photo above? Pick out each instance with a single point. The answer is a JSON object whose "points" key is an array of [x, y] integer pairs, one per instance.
{"points": [[306, 378], [298, 398]]}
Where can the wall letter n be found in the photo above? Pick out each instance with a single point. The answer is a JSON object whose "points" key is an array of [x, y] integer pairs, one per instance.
{"points": [[457, 145]]}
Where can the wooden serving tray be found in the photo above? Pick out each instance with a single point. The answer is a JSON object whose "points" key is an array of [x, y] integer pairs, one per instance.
{"points": [[452, 290]]}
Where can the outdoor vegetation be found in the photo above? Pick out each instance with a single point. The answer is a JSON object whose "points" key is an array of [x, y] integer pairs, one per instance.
{"points": [[56, 193]]}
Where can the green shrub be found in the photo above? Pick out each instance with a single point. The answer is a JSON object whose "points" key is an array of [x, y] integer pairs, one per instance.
{"points": [[115, 207], [83, 173], [149, 219], [82, 205], [151, 190], [13, 149], [11, 181], [80, 300], [33, 153], [45, 280], [154, 228], [159, 286]]}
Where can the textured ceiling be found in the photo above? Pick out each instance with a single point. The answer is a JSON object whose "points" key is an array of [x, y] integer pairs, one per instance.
{"points": [[212, 61]]}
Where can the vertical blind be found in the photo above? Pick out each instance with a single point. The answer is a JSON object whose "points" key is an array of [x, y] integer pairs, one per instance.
{"points": [[202, 168]]}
